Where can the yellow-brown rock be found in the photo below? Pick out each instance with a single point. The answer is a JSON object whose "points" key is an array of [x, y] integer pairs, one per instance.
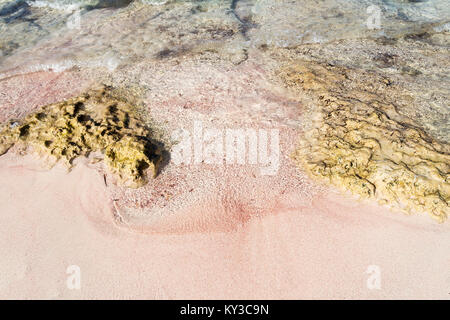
{"points": [[355, 145], [94, 121]]}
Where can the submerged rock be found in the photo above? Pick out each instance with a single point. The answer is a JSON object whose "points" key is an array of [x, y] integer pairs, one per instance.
{"points": [[357, 144], [110, 4], [12, 7], [95, 121], [14, 11]]}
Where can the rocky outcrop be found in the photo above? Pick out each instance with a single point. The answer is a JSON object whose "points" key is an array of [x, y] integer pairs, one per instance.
{"points": [[95, 121]]}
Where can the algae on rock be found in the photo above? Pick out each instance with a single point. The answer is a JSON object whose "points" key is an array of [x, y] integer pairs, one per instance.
{"points": [[356, 144], [95, 121]]}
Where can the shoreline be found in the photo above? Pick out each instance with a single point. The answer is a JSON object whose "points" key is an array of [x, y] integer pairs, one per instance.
{"points": [[260, 116]]}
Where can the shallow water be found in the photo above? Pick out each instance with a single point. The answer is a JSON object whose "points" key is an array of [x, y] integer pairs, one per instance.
{"points": [[60, 35], [402, 44], [376, 72], [251, 23]]}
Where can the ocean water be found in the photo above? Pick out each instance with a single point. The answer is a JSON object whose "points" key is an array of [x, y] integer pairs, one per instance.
{"points": [[62, 34], [130, 29], [385, 56]]}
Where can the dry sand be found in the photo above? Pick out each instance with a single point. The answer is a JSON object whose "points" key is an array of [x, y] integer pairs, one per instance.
{"points": [[51, 220]]}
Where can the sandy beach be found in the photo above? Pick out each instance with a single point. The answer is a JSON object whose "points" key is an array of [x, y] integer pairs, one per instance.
{"points": [[211, 225], [303, 249]]}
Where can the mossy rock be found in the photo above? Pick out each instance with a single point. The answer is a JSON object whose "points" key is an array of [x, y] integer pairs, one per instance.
{"points": [[95, 121]]}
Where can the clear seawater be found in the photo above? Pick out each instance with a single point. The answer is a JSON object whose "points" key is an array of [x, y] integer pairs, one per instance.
{"points": [[126, 29], [61, 34]]}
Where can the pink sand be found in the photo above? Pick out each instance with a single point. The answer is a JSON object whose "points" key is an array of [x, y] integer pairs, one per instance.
{"points": [[200, 231], [51, 220]]}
